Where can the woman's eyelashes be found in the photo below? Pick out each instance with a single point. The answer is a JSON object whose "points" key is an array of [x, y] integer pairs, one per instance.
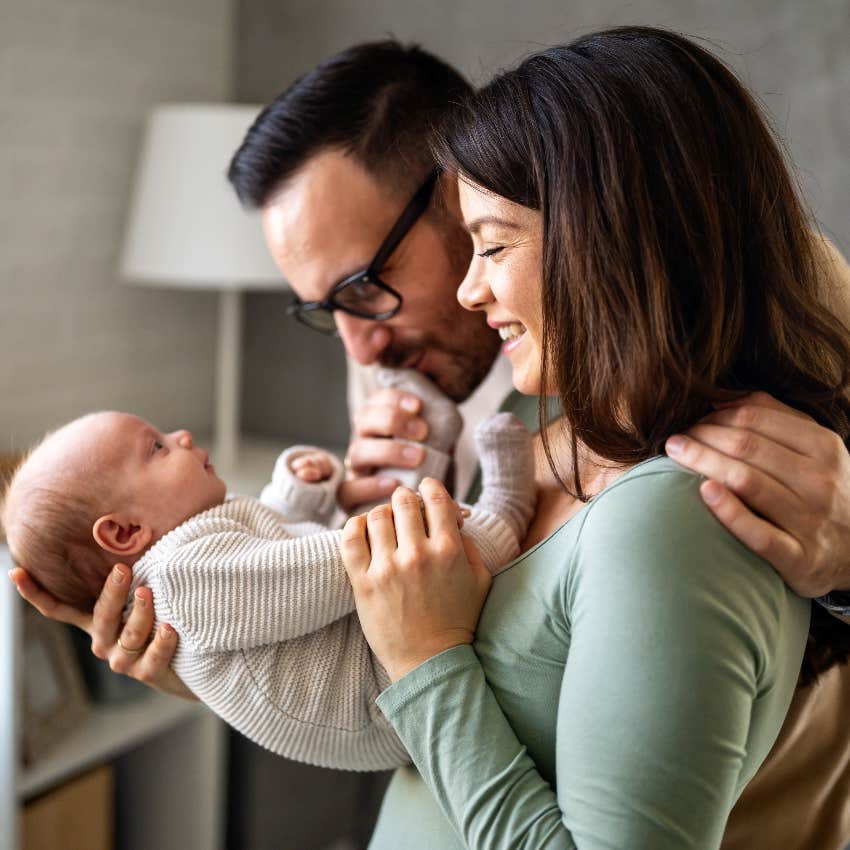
{"points": [[491, 251]]}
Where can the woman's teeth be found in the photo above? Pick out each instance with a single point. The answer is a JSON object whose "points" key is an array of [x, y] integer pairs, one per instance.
{"points": [[511, 331]]}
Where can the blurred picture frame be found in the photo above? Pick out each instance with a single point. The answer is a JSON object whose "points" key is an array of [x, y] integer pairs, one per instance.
{"points": [[54, 696]]}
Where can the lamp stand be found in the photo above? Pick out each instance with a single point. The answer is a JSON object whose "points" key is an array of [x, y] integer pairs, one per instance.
{"points": [[227, 379]]}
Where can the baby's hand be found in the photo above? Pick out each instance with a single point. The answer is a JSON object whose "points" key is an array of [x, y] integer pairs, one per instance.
{"points": [[312, 466]]}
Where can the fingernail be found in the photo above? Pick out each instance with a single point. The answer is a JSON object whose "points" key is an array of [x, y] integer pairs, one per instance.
{"points": [[166, 632], [413, 454], [140, 600], [410, 404], [388, 484], [675, 445], [117, 575], [711, 492]]}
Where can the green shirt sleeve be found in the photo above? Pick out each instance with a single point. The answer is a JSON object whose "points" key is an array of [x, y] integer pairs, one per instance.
{"points": [[683, 655]]}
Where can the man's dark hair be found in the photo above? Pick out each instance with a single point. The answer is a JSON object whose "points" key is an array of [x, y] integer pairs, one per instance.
{"points": [[376, 101]]}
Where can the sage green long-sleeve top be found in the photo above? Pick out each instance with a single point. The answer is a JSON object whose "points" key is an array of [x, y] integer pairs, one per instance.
{"points": [[629, 675]]}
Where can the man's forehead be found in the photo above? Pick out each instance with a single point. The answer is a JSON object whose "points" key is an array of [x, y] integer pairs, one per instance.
{"points": [[326, 222]]}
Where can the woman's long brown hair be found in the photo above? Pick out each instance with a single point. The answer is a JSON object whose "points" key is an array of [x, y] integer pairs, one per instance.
{"points": [[678, 265]]}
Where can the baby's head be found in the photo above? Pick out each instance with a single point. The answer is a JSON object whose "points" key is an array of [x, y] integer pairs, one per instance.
{"points": [[100, 491]]}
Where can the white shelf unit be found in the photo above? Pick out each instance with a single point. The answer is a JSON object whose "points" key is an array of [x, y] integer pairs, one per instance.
{"points": [[168, 754]]}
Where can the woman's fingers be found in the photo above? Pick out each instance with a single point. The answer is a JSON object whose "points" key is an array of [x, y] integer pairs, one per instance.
{"points": [[381, 529], [106, 617], [407, 512], [123, 656], [440, 510], [354, 546], [46, 604]]}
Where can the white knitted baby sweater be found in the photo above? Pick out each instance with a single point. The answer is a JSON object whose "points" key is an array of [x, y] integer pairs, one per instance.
{"points": [[269, 635]]}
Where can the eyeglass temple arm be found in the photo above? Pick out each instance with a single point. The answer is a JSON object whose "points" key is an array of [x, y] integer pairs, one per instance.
{"points": [[411, 212]]}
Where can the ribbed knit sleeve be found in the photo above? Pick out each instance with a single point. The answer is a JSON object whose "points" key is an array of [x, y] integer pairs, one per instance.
{"points": [[235, 577]]}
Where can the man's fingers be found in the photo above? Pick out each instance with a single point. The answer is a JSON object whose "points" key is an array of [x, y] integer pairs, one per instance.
{"points": [[797, 433], [46, 604], [761, 492], [364, 491], [370, 453], [773, 544], [763, 399], [763, 453], [390, 420]]}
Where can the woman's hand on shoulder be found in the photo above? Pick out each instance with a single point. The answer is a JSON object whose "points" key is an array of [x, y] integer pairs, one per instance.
{"points": [[419, 591], [151, 663], [780, 483]]}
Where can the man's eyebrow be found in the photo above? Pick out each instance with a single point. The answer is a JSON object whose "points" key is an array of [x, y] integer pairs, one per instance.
{"points": [[477, 223]]}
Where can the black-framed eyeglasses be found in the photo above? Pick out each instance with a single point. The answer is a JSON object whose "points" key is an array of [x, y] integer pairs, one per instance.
{"points": [[364, 294]]}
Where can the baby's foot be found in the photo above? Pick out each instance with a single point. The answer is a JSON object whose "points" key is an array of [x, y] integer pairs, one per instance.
{"points": [[506, 455]]}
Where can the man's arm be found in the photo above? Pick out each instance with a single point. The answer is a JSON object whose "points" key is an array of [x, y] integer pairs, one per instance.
{"points": [[779, 481]]}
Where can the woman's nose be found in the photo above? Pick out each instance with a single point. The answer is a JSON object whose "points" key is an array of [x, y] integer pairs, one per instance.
{"points": [[474, 292], [364, 339], [184, 438]]}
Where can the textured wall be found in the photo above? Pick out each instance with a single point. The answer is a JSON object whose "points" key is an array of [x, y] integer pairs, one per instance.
{"points": [[76, 80], [794, 55]]}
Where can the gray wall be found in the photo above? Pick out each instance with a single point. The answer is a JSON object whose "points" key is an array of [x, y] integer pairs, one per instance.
{"points": [[793, 54], [76, 80]]}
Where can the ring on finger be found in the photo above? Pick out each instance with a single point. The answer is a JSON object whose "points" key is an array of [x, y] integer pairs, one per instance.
{"points": [[127, 648]]}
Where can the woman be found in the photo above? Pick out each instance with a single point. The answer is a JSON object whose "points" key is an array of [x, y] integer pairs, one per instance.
{"points": [[640, 243]]}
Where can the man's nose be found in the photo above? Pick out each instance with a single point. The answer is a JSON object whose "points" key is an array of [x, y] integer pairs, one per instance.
{"points": [[364, 339], [183, 438], [474, 291]]}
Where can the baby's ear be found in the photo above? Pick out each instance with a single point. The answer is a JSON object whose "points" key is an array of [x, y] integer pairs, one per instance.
{"points": [[116, 534]]}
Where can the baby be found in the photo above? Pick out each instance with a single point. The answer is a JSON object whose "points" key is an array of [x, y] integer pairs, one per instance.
{"points": [[256, 589]]}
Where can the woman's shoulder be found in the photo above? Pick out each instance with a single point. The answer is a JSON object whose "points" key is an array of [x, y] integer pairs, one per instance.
{"points": [[649, 539]]}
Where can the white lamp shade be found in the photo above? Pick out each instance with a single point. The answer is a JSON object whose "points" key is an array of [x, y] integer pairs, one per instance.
{"points": [[186, 227]]}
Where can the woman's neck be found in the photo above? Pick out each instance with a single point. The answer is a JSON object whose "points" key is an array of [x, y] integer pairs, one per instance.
{"points": [[554, 505]]}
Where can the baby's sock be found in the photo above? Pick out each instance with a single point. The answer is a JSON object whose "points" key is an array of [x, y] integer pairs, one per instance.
{"points": [[506, 455]]}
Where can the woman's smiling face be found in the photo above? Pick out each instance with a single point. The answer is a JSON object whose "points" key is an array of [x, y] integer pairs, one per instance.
{"points": [[505, 276]]}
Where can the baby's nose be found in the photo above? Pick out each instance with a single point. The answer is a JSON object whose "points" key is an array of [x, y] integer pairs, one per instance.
{"points": [[184, 439]]}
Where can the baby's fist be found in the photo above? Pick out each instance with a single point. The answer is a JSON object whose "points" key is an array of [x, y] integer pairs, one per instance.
{"points": [[312, 466]]}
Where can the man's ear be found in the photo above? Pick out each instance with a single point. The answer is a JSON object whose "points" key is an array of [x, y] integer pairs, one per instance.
{"points": [[116, 534]]}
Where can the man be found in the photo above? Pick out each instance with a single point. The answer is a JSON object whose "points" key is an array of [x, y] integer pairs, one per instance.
{"points": [[368, 239]]}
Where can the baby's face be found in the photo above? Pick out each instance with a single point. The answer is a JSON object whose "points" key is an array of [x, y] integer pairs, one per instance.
{"points": [[160, 480]]}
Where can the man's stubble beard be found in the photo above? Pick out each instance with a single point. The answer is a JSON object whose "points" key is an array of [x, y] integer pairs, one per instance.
{"points": [[462, 367]]}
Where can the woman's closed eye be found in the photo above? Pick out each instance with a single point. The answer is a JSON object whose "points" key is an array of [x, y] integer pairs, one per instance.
{"points": [[491, 251]]}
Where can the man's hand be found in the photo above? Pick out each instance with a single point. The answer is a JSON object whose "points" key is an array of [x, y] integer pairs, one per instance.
{"points": [[388, 413], [780, 483], [152, 664]]}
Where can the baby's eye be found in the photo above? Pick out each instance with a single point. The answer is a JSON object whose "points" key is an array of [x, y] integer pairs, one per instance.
{"points": [[157, 446]]}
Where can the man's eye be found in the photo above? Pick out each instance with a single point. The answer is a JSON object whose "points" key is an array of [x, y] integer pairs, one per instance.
{"points": [[490, 251]]}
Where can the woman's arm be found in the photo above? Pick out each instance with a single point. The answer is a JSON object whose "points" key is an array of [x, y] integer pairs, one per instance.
{"points": [[684, 654]]}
